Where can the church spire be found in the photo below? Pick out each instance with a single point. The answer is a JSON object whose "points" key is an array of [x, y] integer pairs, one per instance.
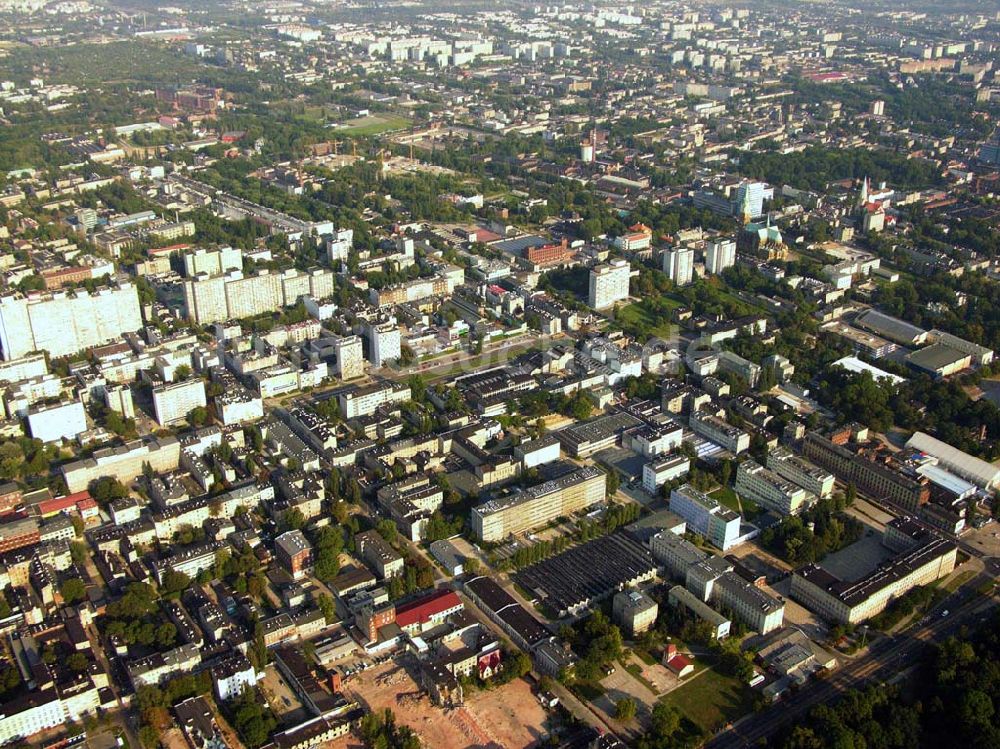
{"points": [[863, 198]]}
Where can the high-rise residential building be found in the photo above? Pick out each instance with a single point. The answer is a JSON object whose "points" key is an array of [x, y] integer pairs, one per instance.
{"points": [[52, 423], [349, 357], [211, 298], [384, 342], [748, 199], [609, 283], [719, 255], [678, 264], [174, 401], [205, 299], [65, 322], [213, 262], [249, 296], [339, 245]]}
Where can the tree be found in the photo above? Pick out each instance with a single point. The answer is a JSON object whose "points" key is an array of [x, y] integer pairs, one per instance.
{"points": [[107, 489], [182, 373], [625, 709], [198, 416], [666, 719], [77, 662], [326, 605], [73, 590], [293, 519], [613, 482], [174, 581]]}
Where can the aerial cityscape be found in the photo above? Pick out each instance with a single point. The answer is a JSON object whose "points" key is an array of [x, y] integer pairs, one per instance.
{"points": [[387, 374]]}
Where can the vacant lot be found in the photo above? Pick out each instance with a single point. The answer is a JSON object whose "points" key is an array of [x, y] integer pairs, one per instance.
{"points": [[710, 700], [509, 716]]}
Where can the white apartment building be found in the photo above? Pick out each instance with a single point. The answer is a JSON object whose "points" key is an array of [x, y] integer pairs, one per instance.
{"points": [[233, 295], [384, 342], [770, 490], [15, 370], [719, 255], [57, 422], [173, 401], [212, 262], [339, 245], [800, 471], [658, 472], [65, 322], [609, 284], [349, 356], [364, 400], [678, 264]]}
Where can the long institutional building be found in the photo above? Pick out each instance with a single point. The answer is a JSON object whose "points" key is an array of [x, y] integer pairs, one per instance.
{"points": [[713, 579], [526, 510], [65, 322], [869, 476], [922, 558]]}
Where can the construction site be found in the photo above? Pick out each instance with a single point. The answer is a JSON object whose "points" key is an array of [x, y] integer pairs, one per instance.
{"points": [[507, 717]]}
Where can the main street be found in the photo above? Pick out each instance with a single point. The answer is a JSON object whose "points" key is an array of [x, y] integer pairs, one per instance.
{"points": [[885, 659]]}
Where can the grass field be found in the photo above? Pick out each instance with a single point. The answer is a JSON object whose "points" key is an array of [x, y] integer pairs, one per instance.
{"points": [[727, 497], [710, 700], [638, 314], [374, 124]]}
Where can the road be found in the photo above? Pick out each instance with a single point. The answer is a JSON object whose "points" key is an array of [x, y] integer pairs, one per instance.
{"points": [[884, 660]]}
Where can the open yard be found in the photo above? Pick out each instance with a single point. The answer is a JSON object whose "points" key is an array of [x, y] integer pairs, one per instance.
{"points": [[710, 700], [374, 124], [638, 314], [509, 716]]}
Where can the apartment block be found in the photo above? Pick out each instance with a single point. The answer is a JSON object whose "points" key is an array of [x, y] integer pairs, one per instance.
{"points": [[609, 284], [65, 322], [719, 255], [770, 490], [526, 510], [719, 431], [363, 401], [123, 462], [173, 401], [706, 517], [349, 357], [798, 470], [658, 472], [212, 262], [678, 264], [384, 342], [56, 422]]}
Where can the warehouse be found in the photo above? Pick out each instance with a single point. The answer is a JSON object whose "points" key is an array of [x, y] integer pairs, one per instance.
{"points": [[576, 579]]}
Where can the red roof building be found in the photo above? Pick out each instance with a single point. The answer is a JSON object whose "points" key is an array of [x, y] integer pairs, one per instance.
{"points": [[429, 611], [67, 504], [677, 662]]}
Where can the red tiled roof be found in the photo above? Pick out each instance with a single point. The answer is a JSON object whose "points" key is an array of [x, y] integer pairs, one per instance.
{"points": [[424, 608], [678, 663]]}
